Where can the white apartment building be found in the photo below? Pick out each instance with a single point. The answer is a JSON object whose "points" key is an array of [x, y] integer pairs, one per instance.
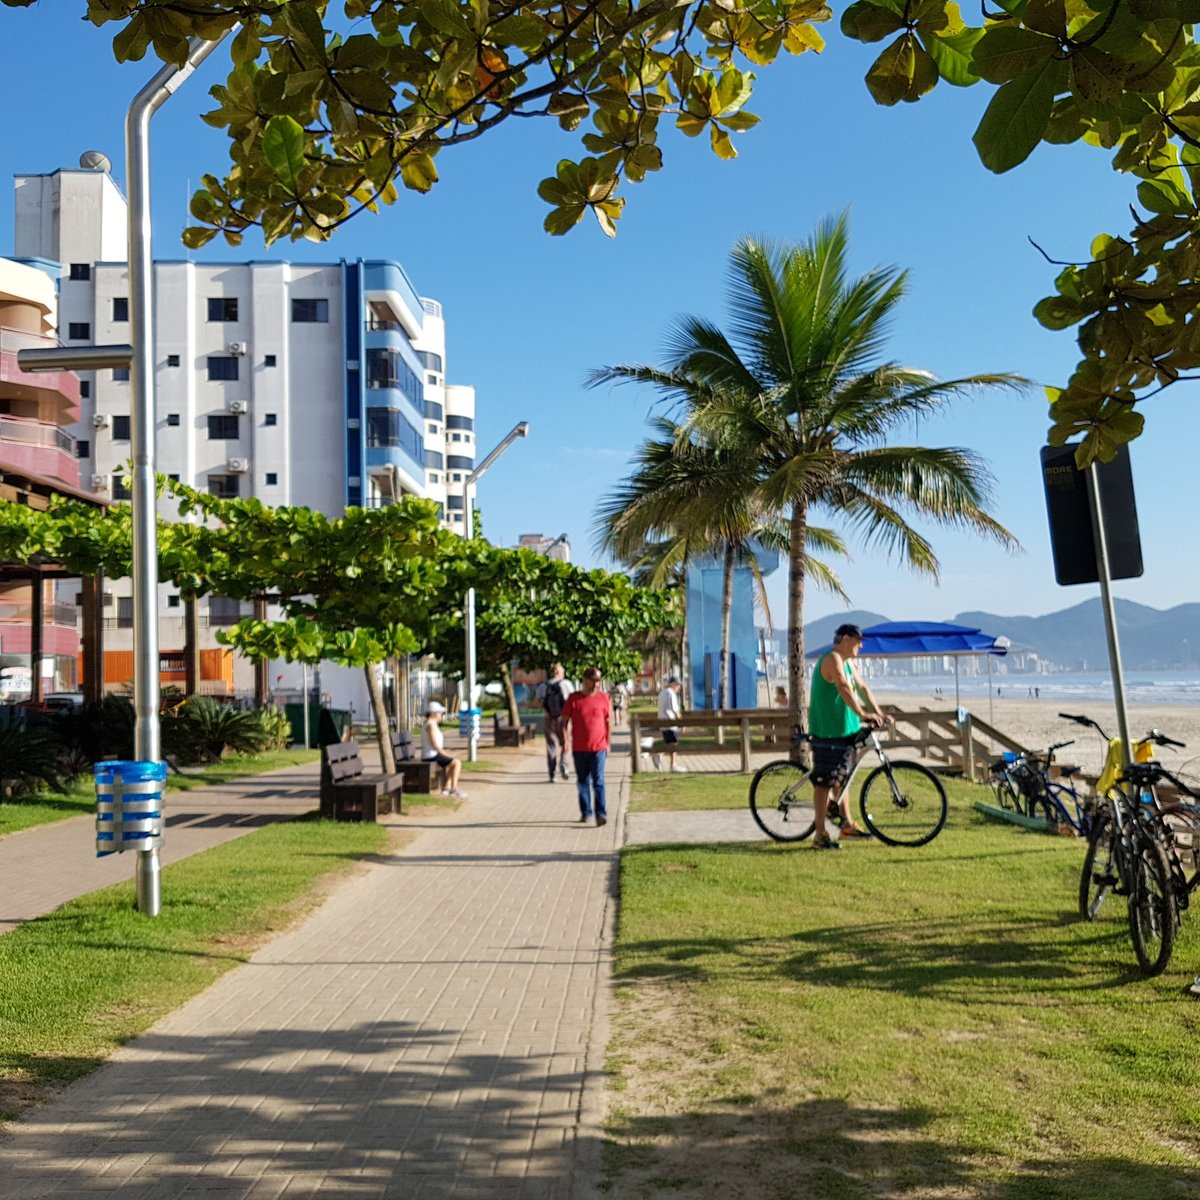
{"points": [[320, 385]]}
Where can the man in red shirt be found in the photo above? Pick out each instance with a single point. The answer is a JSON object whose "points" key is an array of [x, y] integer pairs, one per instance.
{"points": [[587, 716]]}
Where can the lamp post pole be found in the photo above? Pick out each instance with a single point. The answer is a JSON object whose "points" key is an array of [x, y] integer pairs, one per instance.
{"points": [[519, 430]]}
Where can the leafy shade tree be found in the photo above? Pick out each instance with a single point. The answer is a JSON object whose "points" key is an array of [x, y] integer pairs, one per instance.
{"points": [[698, 497], [330, 107], [805, 346], [537, 610]]}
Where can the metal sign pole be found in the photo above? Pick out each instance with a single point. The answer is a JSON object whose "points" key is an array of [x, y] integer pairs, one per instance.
{"points": [[1110, 615]]}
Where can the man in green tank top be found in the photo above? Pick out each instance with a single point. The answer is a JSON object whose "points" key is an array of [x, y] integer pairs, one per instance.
{"points": [[840, 703]]}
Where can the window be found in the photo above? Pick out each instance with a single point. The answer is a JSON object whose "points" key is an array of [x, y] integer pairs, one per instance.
{"points": [[388, 427], [434, 477], [433, 458], [222, 308], [386, 369], [222, 428], [172, 601], [431, 429], [270, 419], [464, 462], [269, 361], [120, 308], [460, 422], [433, 362], [120, 428], [172, 360], [224, 485], [174, 476], [172, 418], [455, 437], [433, 411], [85, 389], [79, 331], [311, 311], [222, 610], [454, 501], [83, 449], [222, 366], [124, 612], [272, 479], [81, 270], [121, 374], [121, 492]]}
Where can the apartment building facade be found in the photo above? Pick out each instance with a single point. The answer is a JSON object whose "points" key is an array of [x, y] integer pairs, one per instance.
{"points": [[314, 384]]}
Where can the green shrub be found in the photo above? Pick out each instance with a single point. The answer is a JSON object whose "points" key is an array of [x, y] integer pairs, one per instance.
{"points": [[202, 729], [31, 759], [276, 728]]}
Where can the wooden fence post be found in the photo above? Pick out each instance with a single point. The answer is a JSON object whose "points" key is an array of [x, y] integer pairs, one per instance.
{"points": [[635, 742], [745, 745]]}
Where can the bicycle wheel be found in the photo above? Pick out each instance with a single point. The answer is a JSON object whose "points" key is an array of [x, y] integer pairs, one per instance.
{"points": [[781, 801], [1153, 917], [1099, 873], [903, 804], [1007, 796]]}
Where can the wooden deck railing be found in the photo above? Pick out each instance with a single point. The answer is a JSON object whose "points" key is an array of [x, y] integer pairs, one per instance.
{"points": [[935, 736]]}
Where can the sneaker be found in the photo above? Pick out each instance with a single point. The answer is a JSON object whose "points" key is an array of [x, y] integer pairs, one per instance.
{"points": [[678, 770], [852, 830], [585, 817], [552, 779], [565, 777], [457, 794], [601, 821], [824, 842]]}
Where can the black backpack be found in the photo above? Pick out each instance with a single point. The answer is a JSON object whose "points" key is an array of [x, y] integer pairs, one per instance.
{"points": [[554, 699]]}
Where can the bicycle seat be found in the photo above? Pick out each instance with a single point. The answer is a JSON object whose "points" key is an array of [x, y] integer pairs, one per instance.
{"points": [[1067, 772]]}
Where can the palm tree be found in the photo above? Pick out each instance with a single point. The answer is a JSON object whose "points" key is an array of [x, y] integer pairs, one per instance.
{"points": [[799, 385], [697, 497]]}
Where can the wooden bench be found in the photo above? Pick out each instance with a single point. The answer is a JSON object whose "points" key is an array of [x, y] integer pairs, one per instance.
{"points": [[417, 773], [506, 734], [348, 793]]}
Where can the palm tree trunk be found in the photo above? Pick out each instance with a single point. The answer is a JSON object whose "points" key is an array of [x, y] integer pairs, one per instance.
{"points": [[726, 623], [382, 730], [685, 665], [797, 700]]}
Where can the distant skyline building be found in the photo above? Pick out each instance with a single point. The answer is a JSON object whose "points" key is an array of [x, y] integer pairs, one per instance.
{"points": [[557, 548], [322, 385]]}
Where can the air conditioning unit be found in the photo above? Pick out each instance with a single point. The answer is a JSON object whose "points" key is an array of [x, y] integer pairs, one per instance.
{"points": [[101, 421], [238, 348], [99, 483], [238, 466], [237, 406]]}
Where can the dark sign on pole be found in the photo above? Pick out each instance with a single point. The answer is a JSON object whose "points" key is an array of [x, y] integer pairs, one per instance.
{"points": [[1071, 520]]}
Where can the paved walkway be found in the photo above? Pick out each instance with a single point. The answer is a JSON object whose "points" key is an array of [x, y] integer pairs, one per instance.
{"points": [[434, 1030], [703, 825], [44, 867]]}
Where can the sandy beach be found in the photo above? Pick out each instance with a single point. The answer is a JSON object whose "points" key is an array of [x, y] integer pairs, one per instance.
{"points": [[1036, 725]]}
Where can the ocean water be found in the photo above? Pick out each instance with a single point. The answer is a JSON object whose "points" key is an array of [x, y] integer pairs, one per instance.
{"points": [[1064, 688]]}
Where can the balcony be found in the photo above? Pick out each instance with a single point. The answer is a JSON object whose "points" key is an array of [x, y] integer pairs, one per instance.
{"points": [[376, 325], [39, 448], [21, 612], [56, 393]]}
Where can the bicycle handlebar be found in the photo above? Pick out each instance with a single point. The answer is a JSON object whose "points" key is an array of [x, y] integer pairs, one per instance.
{"points": [[1060, 745]]}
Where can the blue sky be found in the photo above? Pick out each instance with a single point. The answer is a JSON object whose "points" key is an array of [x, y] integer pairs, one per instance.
{"points": [[529, 315]]}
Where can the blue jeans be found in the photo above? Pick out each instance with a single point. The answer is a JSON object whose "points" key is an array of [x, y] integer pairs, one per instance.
{"points": [[589, 779]]}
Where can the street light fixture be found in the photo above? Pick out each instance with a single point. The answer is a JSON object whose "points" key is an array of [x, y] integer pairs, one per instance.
{"points": [[519, 430]]}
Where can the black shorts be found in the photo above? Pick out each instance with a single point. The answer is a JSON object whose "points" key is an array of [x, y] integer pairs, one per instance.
{"points": [[670, 736], [833, 761], [442, 760]]}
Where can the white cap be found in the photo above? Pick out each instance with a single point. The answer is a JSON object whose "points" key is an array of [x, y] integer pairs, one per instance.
{"points": [[435, 707]]}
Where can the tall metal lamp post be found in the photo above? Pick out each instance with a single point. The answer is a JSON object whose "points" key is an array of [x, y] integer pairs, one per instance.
{"points": [[519, 430]]}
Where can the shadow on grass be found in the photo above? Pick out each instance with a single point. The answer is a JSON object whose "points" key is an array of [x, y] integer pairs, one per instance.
{"points": [[750, 1146], [949, 959]]}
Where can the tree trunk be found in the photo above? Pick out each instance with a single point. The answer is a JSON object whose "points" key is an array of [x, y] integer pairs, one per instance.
{"points": [[382, 729], [510, 694], [797, 700], [685, 662], [726, 624]]}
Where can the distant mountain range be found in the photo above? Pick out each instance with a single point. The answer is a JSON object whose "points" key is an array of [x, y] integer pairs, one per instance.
{"points": [[1073, 639]]}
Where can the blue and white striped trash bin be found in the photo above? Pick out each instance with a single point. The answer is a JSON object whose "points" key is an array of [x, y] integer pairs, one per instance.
{"points": [[129, 806]]}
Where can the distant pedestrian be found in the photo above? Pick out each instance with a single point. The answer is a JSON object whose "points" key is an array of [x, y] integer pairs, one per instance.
{"points": [[1037, 693], [670, 709], [433, 749], [587, 717], [620, 695], [781, 697], [553, 695]]}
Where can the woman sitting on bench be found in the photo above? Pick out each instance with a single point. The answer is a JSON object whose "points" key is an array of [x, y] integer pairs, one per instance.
{"points": [[433, 748]]}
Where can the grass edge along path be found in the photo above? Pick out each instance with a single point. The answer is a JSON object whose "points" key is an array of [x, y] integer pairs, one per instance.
{"points": [[880, 1022], [30, 812], [93, 974]]}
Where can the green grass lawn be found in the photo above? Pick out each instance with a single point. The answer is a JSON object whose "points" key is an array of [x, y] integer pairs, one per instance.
{"points": [[43, 809], [660, 791], [94, 973], [880, 1022]]}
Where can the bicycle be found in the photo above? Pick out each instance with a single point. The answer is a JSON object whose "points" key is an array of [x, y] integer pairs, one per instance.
{"points": [[1021, 783], [902, 803]]}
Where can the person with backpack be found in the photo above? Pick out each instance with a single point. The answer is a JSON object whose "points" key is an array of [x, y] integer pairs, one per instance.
{"points": [[553, 694]]}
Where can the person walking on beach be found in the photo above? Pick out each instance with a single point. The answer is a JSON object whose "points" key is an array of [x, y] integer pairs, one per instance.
{"points": [[839, 704], [670, 707], [553, 695], [587, 717]]}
